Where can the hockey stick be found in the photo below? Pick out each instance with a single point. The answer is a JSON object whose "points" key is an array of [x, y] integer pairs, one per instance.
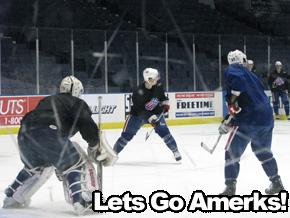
{"points": [[99, 164], [212, 149], [207, 148], [148, 133]]}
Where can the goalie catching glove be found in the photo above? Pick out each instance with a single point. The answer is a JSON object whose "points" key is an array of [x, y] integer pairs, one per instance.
{"points": [[93, 152], [102, 152]]}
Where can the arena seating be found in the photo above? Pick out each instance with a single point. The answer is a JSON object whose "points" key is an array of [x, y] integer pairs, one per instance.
{"points": [[180, 23]]}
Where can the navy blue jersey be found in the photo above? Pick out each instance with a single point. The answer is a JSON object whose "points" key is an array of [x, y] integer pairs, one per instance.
{"points": [[255, 105], [146, 102]]}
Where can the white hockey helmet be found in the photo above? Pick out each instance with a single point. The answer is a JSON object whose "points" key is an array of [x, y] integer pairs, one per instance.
{"points": [[237, 57], [150, 73], [250, 62], [278, 63], [71, 84]]}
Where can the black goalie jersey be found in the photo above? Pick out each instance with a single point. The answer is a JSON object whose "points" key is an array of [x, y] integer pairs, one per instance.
{"points": [[69, 114]]}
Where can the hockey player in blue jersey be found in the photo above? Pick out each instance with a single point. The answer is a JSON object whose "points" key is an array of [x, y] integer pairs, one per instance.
{"points": [[148, 102], [252, 122]]}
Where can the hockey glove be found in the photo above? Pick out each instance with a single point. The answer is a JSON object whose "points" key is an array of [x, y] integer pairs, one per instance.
{"points": [[225, 125], [153, 120], [165, 106], [234, 109]]}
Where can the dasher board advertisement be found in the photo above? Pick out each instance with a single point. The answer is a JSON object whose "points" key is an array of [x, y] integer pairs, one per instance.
{"points": [[197, 104], [13, 108], [112, 106]]}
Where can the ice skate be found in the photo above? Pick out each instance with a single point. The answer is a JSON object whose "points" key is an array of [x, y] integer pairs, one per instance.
{"points": [[277, 117], [275, 187], [10, 202], [82, 207], [230, 189], [177, 156]]}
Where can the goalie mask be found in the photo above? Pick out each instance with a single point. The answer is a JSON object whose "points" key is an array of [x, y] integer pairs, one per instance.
{"points": [[71, 84], [237, 57], [150, 74]]}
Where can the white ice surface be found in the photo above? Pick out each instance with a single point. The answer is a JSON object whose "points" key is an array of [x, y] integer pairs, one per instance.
{"points": [[144, 167]]}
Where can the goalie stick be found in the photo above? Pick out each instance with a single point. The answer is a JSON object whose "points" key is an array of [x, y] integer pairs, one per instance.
{"points": [[99, 164], [148, 133], [212, 149]]}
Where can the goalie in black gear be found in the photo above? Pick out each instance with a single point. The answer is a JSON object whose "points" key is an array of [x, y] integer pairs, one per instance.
{"points": [[45, 146]]}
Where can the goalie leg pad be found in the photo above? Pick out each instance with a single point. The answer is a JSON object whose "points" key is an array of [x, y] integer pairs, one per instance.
{"points": [[79, 183], [84, 169], [88, 172], [27, 182]]}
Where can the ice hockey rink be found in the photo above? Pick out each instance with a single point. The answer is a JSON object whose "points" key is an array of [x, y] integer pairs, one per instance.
{"points": [[144, 167]]}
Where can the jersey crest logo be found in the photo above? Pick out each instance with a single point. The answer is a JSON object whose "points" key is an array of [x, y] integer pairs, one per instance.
{"points": [[279, 81], [150, 105]]}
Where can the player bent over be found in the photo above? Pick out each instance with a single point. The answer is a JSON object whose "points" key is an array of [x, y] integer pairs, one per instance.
{"points": [[252, 122], [148, 105], [45, 146]]}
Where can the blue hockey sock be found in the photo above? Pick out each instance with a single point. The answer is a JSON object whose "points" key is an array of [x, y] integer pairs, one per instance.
{"points": [[120, 144], [276, 109], [74, 184], [270, 167], [170, 142], [22, 176], [286, 107]]}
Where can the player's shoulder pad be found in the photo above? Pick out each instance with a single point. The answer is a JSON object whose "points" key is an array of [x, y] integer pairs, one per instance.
{"points": [[82, 103], [159, 84], [137, 89], [236, 71]]}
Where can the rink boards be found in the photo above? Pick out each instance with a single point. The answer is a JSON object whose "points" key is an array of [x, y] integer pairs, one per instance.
{"points": [[185, 108]]}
